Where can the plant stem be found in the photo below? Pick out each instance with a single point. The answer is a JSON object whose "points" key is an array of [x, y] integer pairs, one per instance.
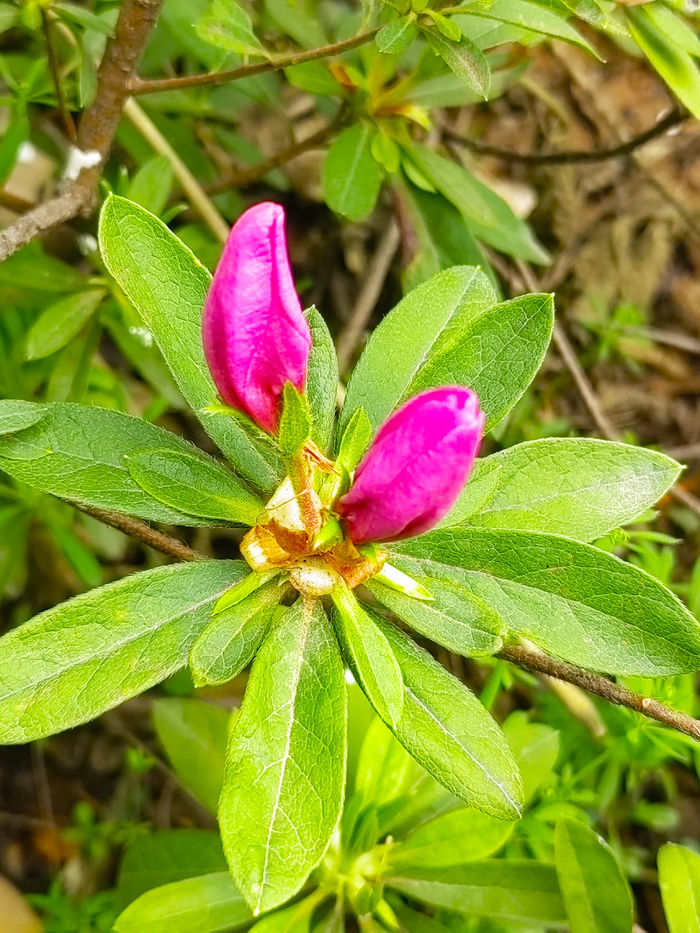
{"points": [[141, 531], [138, 86], [66, 116], [192, 188], [532, 660]]}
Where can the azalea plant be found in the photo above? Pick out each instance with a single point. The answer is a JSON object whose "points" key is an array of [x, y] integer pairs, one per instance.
{"points": [[361, 525]]}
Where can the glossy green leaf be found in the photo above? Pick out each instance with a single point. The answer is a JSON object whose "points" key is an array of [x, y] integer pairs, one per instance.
{"points": [[679, 880], [455, 618], [523, 891], [193, 483], [369, 655], [536, 17], [194, 905], [490, 218], [572, 600], [73, 662], [395, 37], [322, 381], [596, 894], [675, 65], [351, 177], [497, 357], [463, 58], [76, 452], [230, 641], [449, 303], [451, 735], [17, 415], [167, 285], [285, 770], [60, 322], [194, 735], [578, 487], [155, 859], [295, 422]]}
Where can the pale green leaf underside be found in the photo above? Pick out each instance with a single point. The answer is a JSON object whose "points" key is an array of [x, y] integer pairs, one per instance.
{"points": [[89, 654], [578, 487], [285, 770], [77, 452], [572, 600], [447, 730], [167, 285]]}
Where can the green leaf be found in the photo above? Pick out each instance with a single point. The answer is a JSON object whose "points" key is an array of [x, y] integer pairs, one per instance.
{"points": [[679, 880], [193, 483], [295, 422], [395, 37], [293, 919], [672, 25], [167, 285], [490, 218], [673, 63], [285, 770], [536, 17], [536, 749], [463, 58], [497, 357], [449, 303], [71, 663], [194, 735], [17, 415], [85, 18], [355, 440], [455, 619], [369, 655], [442, 237], [463, 835], [171, 855], [231, 640], [579, 487], [321, 381], [596, 894], [150, 187], [194, 905], [227, 25], [572, 600], [451, 735], [351, 177], [60, 322], [76, 452], [523, 891]]}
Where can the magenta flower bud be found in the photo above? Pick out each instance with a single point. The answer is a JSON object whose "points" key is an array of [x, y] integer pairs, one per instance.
{"points": [[416, 467], [256, 338]]}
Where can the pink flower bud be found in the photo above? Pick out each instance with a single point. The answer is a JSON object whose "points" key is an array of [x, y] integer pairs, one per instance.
{"points": [[256, 338], [416, 467]]}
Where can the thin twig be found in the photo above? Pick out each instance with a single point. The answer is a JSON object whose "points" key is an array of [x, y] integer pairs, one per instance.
{"points": [[242, 178], [573, 156], [141, 531], [139, 86], [532, 660], [97, 126], [54, 65], [192, 188], [377, 271]]}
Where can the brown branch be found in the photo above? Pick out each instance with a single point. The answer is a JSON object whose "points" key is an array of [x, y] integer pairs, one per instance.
{"points": [[573, 156], [140, 86], [66, 116], [141, 531], [540, 663], [98, 126]]}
